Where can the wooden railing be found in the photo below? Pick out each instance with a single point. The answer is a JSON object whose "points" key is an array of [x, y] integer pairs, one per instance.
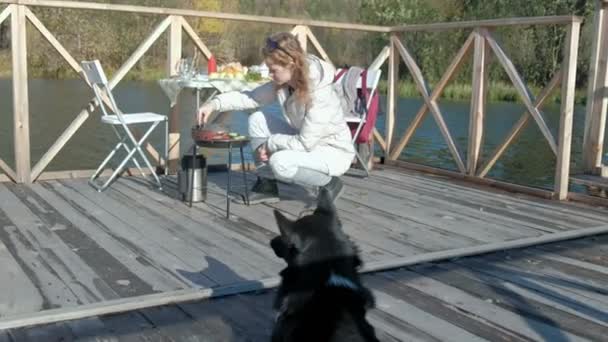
{"points": [[480, 44], [597, 96]]}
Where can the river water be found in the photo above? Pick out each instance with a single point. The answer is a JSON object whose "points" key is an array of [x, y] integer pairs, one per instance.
{"points": [[55, 103]]}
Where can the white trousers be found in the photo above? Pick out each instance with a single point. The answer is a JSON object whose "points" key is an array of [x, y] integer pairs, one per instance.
{"points": [[313, 168]]}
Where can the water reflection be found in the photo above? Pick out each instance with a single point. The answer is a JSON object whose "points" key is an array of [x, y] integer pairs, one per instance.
{"points": [[529, 159], [54, 104]]}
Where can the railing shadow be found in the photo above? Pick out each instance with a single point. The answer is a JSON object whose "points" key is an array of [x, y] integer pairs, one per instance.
{"points": [[534, 282], [529, 309]]}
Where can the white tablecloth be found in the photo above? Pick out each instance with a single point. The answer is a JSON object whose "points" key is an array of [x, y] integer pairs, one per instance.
{"points": [[173, 86]]}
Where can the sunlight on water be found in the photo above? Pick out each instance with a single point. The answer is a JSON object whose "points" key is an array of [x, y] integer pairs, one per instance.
{"points": [[54, 104]]}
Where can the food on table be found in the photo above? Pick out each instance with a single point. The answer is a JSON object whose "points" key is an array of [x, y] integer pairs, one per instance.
{"points": [[237, 71], [222, 136], [200, 133], [253, 77], [228, 136], [205, 134]]}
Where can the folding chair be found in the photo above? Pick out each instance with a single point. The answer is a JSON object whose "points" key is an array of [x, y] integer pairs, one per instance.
{"points": [[371, 83], [120, 122]]}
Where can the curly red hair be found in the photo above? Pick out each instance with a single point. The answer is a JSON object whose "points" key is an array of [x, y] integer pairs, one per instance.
{"points": [[284, 49]]}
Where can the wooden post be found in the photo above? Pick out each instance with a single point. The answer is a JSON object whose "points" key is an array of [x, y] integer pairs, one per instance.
{"points": [[393, 78], [20, 95], [595, 119], [174, 55], [301, 35], [476, 117], [377, 64], [562, 172], [315, 42]]}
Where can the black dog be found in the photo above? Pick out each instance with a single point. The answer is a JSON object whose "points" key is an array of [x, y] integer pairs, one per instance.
{"points": [[321, 297]]}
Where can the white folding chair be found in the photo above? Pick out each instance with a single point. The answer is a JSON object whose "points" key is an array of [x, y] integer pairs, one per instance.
{"points": [[373, 78], [120, 122]]}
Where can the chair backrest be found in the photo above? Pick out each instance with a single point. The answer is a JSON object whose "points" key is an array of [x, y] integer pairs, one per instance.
{"points": [[362, 124], [373, 79], [99, 82], [94, 72]]}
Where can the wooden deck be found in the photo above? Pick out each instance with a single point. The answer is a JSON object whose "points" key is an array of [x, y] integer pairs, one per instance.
{"points": [[555, 292], [63, 245]]}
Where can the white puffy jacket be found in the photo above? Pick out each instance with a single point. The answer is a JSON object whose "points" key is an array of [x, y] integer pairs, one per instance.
{"points": [[322, 125]]}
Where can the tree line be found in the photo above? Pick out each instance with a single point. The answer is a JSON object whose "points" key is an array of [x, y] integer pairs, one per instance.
{"points": [[112, 36]]}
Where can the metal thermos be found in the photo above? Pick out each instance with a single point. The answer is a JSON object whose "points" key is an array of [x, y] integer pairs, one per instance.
{"points": [[184, 177]]}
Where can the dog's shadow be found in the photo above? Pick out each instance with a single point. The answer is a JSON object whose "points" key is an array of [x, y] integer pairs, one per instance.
{"points": [[215, 270], [233, 316]]}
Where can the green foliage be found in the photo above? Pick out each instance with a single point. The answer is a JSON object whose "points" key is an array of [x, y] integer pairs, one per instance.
{"points": [[112, 37], [536, 51], [5, 64], [497, 92]]}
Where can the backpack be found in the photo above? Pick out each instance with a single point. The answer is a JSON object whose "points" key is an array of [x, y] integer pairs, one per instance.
{"points": [[354, 101]]}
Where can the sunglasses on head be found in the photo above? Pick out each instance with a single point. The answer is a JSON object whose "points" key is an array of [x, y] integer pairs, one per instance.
{"points": [[274, 45]]}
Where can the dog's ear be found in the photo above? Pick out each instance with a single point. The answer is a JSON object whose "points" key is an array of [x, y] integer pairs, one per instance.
{"points": [[280, 248], [324, 203], [285, 225]]}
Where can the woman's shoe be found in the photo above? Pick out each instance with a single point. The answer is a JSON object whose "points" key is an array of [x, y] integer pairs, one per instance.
{"points": [[263, 191]]}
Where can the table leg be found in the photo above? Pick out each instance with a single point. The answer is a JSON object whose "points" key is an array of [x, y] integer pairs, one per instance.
{"points": [[191, 183], [246, 201], [229, 180], [198, 101]]}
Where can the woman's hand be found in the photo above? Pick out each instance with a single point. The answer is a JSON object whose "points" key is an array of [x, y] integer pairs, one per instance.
{"points": [[203, 113], [262, 152]]}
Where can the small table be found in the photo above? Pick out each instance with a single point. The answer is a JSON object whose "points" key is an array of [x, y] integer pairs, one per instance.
{"points": [[172, 88], [229, 144]]}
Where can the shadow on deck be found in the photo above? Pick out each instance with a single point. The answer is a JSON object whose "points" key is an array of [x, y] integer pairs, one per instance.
{"points": [[64, 245]]}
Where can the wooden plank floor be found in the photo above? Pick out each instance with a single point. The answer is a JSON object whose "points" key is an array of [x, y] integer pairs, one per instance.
{"points": [[555, 292], [62, 244]]}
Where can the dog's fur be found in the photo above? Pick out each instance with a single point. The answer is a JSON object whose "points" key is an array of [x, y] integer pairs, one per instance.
{"points": [[321, 297]]}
